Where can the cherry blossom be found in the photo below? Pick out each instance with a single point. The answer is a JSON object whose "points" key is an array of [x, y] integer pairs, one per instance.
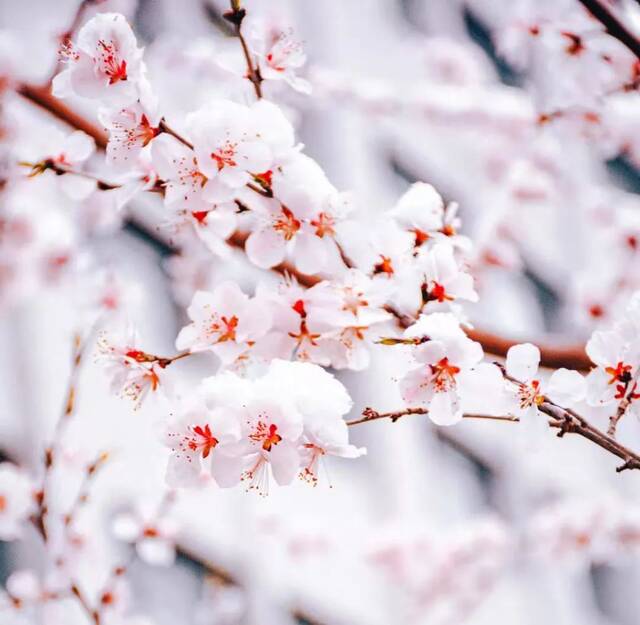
{"points": [[279, 55], [616, 354], [235, 144], [446, 356], [225, 321], [17, 500], [270, 429], [133, 373], [303, 221], [154, 535], [131, 129], [203, 433], [282, 59], [303, 321], [433, 282], [565, 387], [422, 212], [105, 64], [362, 312], [322, 401], [184, 182]]}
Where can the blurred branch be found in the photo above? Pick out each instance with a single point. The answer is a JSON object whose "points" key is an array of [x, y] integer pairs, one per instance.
{"points": [[612, 24]]}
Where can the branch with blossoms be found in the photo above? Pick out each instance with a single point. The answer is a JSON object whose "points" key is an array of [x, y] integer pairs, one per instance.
{"points": [[410, 272]]}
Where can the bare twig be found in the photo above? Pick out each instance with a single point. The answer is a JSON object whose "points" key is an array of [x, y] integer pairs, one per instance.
{"points": [[94, 615], [236, 16], [612, 24], [164, 127]]}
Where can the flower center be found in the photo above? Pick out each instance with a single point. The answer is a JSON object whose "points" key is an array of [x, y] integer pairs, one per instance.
{"points": [[421, 237], [384, 266], [200, 216], [3, 503], [529, 394], [437, 292], [115, 69], [324, 224], [444, 375], [287, 224], [224, 157], [265, 434], [224, 328], [202, 441], [353, 300]]}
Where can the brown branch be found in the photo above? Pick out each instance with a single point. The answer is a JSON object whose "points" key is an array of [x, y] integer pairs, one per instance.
{"points": [[369, 414], [164, 127], [612, 24], [68, 409], [94, 615], [83, 493], [42, 97], [629, 396], [236, 16]]}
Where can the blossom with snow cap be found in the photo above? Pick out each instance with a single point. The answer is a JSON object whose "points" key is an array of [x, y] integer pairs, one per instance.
{"points": [[104, 64], [433, 281], [225, 321], [447, 359], [270, 430], [422, 212], [236, 144], [322, 401], [303, 220], [17, 501]]}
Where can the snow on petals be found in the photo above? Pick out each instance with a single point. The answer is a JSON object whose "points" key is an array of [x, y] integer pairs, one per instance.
{"points": [[445, 355]]}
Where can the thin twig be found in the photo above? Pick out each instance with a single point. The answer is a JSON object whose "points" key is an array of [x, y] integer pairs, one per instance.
{"points": [[236, 16], [629, 395], [164, 127], [612, 24], [94, 615], [369, 414], [50, 165]]}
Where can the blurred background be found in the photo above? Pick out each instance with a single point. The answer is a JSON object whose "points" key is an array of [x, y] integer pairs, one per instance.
{"points": [[540, 149]]}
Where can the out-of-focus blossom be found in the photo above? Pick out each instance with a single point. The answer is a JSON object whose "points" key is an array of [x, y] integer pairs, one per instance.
{"points": [[17, 500]]}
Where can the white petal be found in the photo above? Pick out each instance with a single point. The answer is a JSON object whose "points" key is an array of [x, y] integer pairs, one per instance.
{"points": [[444, 408], [523, 361], [566, 387], [265, 248]]}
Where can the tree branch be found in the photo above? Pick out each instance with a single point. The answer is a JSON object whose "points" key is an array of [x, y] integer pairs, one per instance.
{"points": [[570, 356], [236, 16], [612, 24]]}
